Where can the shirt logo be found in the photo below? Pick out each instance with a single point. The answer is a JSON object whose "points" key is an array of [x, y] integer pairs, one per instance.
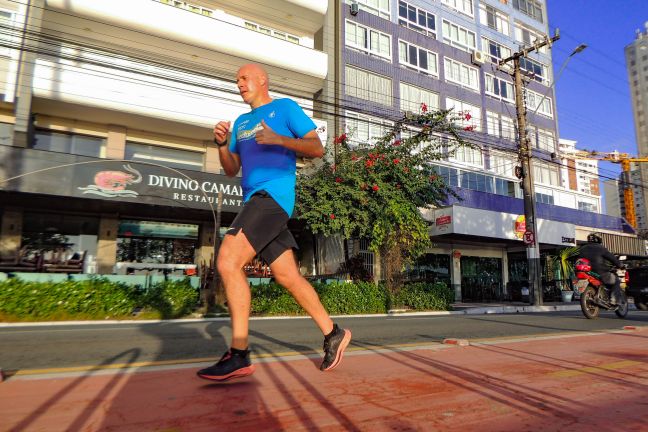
{"points": [[272, 114]]}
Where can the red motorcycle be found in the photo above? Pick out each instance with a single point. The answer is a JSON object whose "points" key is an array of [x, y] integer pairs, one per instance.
{"points": [[593, 293]]}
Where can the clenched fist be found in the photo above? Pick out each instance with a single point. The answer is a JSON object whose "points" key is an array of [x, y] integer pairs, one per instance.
{"points": [[220, 132], [267, 135]]}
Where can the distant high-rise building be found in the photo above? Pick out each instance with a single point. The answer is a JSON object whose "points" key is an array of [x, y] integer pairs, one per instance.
{"points": [[613, 199], [637, 62]]}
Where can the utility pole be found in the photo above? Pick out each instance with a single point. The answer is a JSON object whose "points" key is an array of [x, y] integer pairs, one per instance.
{"points": [[524, 154]]}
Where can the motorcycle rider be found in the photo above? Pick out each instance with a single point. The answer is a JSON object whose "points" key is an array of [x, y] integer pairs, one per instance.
{"points": [[603, 263]]}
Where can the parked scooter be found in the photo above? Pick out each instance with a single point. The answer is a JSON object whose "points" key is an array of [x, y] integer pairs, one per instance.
{"points": [[593, 293]]}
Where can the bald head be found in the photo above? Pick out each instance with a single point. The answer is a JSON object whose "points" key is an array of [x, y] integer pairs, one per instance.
{"points": [[252, 82]]}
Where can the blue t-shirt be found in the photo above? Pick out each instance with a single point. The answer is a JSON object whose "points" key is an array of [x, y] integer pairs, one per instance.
{"points": [[265, 166]]}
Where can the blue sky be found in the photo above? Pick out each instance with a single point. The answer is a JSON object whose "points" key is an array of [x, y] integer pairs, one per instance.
{"points": [[593, 94]]}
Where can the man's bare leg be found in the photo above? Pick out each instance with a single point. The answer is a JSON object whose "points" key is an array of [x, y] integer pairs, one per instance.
{"points": [[234, 253], [285, 271]]}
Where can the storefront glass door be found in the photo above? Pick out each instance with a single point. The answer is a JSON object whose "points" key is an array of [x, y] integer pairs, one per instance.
{"points": [[481, 279]]}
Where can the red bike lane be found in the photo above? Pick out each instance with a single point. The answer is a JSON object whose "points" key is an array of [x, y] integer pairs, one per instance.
{"points": [[553, 383]]}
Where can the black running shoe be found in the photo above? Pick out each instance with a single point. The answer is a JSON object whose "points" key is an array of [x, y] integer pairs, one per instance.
{"points": [[233, 364], [334, 345]]}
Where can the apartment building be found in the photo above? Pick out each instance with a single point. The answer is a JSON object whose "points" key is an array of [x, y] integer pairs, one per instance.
{"points": [[636, 55], [399, 54]]}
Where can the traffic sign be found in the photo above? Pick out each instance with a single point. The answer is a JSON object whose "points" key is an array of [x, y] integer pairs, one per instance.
{"points": [[529, 237]]}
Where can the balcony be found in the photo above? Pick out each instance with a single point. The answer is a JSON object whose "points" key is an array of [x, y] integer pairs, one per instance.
{"points": [[212, 40]]}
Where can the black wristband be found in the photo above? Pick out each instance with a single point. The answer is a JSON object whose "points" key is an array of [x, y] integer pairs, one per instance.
{"points": [[219, 144]]}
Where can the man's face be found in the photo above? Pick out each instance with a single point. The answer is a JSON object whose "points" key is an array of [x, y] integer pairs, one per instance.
{"points": [[248, 83]]}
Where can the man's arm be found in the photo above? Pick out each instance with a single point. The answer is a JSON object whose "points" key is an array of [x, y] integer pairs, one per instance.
{"points": [[612, 258], [231, 162], [309, 145]]}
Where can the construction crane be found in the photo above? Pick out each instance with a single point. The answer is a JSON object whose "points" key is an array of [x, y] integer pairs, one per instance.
{"points": [[625, 160]]}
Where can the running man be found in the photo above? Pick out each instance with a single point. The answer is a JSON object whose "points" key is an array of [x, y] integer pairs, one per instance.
{"points": [[264, 143]]}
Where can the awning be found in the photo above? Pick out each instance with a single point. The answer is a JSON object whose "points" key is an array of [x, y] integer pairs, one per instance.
{"points": [[624, 245]]}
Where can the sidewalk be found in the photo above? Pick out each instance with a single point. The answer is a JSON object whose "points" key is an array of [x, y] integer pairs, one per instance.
{"points": [[582, 382]]}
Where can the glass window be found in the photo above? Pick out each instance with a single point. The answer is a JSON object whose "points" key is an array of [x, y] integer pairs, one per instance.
{"points": [[449, 175], [411, 98], [462, 74], [170, 157], [538, 103], [460, 107], [368, 40], [464, 6], [417, 58], [459, 37], [376, 7], [83, 145], [495, 50], [493, 18], [538, 70], [532, 8], [499, 88], [416, 19], [156, 242], [364, 130], [368, 86]]}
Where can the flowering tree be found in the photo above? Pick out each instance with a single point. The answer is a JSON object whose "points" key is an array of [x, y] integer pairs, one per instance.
{"points": [[374, 190]]}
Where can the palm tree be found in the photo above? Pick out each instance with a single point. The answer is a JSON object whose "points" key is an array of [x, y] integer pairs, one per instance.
{"points": [[564, 266]]}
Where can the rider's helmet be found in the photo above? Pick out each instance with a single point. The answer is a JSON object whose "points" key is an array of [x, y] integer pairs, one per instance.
{"points": [[594, 238]]}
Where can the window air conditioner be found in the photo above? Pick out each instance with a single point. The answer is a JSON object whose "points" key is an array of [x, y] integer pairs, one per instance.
{"points": [[479, 57]]}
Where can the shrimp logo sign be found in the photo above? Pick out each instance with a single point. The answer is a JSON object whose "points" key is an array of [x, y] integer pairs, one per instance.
{"points": [[113, 184]]}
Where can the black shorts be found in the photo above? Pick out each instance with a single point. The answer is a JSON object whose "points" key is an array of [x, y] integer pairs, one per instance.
{"points": [[265, 225]]}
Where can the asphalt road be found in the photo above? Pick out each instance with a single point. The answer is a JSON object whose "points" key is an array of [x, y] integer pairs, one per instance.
{"points": [[100, 345]]}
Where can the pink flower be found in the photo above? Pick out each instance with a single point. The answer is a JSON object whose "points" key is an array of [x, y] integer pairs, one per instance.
{"points": [[469, 128], [338, 179], [467, 116], [369, 163], [424, 107], [354, 157], [396, 161], [397, 143], [340, 139], [332, 216], [375, 188]]}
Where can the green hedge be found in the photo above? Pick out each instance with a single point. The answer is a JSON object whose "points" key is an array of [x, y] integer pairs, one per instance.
{"points": [[99, 298], [341, 298], [95, 298]]}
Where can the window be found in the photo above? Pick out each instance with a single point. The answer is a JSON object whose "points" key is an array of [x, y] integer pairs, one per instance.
{"points": [[459, 37], [450, 175], [417, 58], [363, 129], [493, 18], [170, 157], [545, 174], [464, 6], [368, 86], [536, 103], [502, 164], [538, 70], [462, 74], [544, 198], [546, 141], [499, 88], [411, 98], [376, 7], [500, 125], [368, 40], [59, 142], [476, 181], [417, 19], [587, 206], [464, 108], [468, 155], [496, 51], [528, 36], [532, 8], [508, 128], [271, 32]]}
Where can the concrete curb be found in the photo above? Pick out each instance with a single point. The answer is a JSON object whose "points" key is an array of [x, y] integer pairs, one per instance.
{"points": [[390, 313]]}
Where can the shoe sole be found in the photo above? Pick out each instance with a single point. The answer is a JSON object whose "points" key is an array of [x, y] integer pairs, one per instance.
{"points": [[239, 373], [340, 351]]}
